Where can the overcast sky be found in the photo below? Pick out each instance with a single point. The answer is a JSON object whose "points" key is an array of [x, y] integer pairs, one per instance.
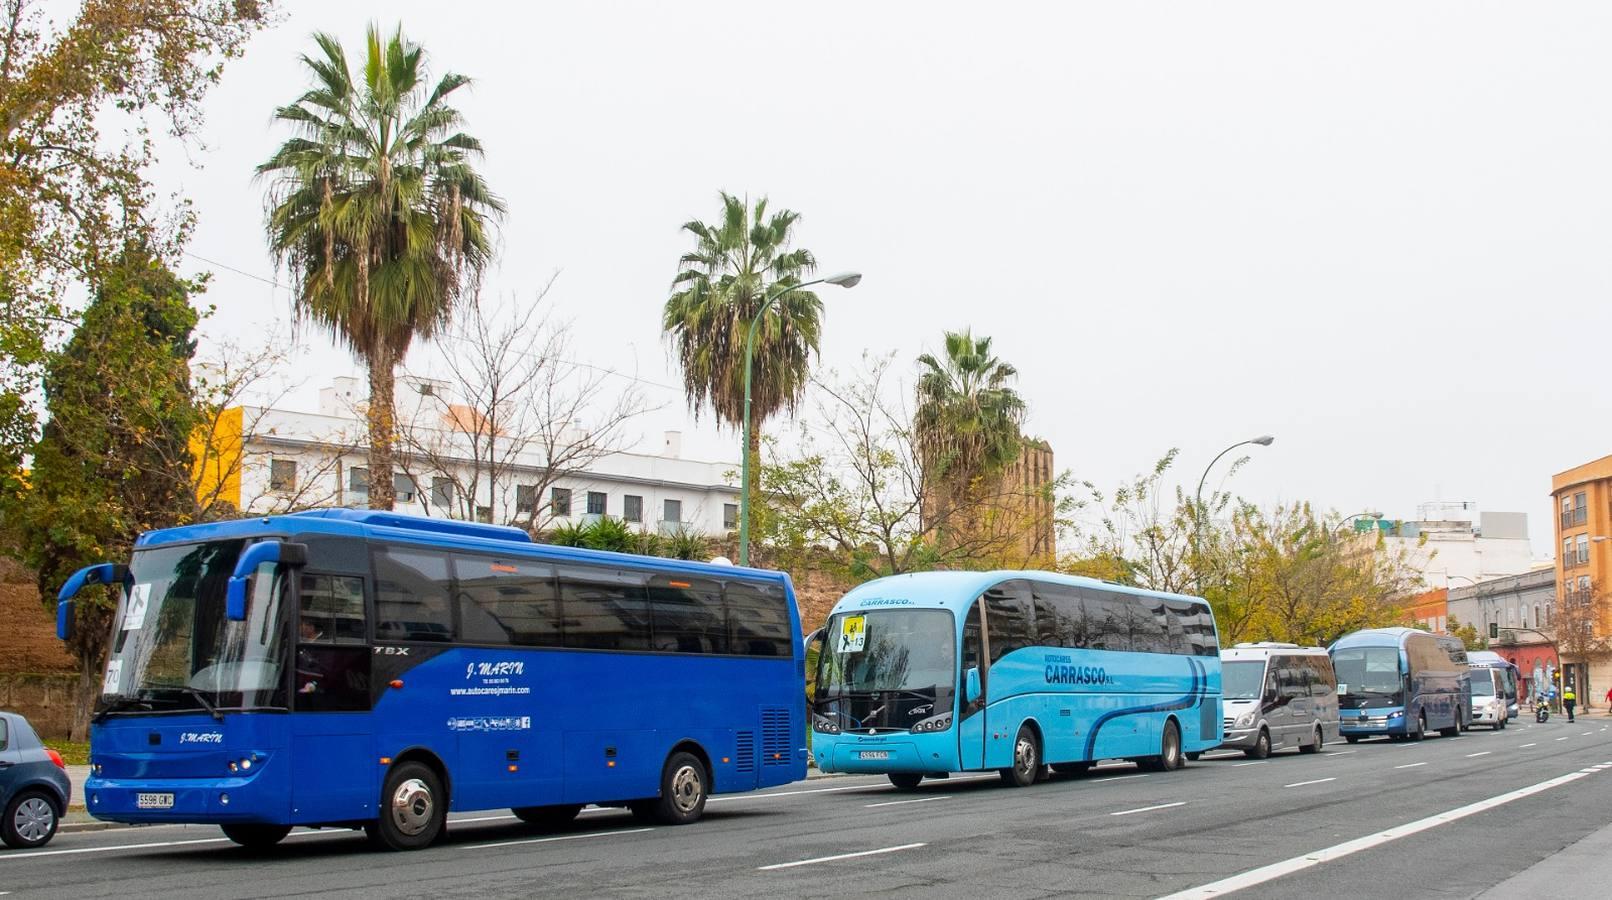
{"points": [[1377, 231]]}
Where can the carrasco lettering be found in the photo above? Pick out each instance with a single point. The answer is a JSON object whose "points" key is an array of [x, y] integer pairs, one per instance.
{"points": [[1066, 674]]}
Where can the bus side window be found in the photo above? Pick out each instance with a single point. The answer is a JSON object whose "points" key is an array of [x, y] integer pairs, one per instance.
{"points": [[605, 609], [688, 615], [758, 619], [1008, 616], [412, 596]]}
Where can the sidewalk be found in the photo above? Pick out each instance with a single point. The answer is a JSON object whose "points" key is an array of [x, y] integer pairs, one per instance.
{"points": [[1580, 870]]}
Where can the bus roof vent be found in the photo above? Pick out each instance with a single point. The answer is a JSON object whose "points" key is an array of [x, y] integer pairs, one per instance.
{"points": [[381, 518]]}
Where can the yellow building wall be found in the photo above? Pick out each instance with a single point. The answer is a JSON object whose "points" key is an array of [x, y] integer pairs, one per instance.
{"points": [[218, 451]]}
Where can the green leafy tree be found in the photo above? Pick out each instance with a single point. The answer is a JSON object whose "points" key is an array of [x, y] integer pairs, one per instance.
{"points": [[1468, 633], [377, 209], [83, 86], [737, 262], [114, 458]]}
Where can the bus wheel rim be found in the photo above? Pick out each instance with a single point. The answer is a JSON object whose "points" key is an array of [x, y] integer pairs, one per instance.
{"points": [[412, 807], [1024, 755], [32, 820], [686, 789]]}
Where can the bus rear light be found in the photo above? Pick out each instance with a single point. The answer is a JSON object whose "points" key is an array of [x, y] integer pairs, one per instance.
{"points": [[610, 764], [514, 768], [724, 759], [395, 683], [386, 760]]}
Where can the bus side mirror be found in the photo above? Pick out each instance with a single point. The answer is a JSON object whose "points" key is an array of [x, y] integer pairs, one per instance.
{"points": [[256, 555], [101, 573], [971, 688]]}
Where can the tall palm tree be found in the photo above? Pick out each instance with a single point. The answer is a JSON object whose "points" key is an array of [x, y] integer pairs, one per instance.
{"points": [[968, 419], [736, 263], [378, 212]]}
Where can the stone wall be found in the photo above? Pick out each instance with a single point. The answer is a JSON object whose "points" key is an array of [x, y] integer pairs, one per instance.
{"points": [[46, 701]]}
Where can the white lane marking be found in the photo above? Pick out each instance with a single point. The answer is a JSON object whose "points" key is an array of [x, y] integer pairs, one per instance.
{"points": [[12, 856], [1131, 812], [1303, 783], [562, 837], [1299, 863], [1526, 746], [1561, 739], [1587, 733], [1260, 762], [1484, 753], [823, 859], [1339, 752], [900, 802], [1118, 777], [1410, 765]]}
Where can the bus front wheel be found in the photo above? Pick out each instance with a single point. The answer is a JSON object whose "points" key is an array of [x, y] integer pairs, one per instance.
{"points": [[1026, 769], [906, 781], [256, 837], [413, 809], [684, 787]]}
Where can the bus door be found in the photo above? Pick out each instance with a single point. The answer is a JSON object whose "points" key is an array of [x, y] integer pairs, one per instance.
{"points": [[332, 747], [971, 735]]}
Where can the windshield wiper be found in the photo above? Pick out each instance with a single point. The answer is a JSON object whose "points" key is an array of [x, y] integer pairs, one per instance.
{"points": [[206, 704], [117, 704]]}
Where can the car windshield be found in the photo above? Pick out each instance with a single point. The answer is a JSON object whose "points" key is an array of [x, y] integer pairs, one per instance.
{"points": [[1482, 684], [888, 668], [174, 649], [1242, 680], [1368, 676]]}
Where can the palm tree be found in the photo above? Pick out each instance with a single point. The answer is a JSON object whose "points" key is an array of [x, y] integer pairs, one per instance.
{"points": [[376, 209], [968, 419], [721, 284]]}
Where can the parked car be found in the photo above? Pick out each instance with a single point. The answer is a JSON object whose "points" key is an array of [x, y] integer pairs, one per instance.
{"points": [[34, 789]]}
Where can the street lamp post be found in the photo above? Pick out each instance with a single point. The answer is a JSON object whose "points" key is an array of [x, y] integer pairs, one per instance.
{"points": [[1263, 440], [843, 279], [1368, 514]]}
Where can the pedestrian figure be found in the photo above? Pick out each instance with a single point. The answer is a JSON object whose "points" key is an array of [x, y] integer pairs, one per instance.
{"points": [[1569, 700], [1609, 701]]}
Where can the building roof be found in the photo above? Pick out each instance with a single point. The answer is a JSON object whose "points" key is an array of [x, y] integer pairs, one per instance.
{"points": [[1594, 470]]}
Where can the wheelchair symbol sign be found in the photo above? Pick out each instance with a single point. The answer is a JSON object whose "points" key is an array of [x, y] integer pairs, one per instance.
{"points": [[853, 634]]}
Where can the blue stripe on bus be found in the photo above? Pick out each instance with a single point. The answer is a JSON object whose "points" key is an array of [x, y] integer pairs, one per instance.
{"points": [[1194, 697]]}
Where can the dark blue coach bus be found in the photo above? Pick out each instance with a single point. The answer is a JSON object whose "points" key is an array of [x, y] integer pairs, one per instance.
{"points": [[367, 669]]}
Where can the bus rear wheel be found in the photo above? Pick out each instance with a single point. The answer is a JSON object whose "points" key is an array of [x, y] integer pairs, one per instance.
{"points": [[413, 809], [1169, 758], [906, 781], [1026, 769], [256, 837], [684, 787], [548, 816]]}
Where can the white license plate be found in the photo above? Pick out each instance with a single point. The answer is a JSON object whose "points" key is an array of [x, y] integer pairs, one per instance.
{"points": [[154, 801], [874, 754]]}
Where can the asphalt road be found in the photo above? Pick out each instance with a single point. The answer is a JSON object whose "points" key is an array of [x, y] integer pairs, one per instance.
{"points": [[1461, 815]]}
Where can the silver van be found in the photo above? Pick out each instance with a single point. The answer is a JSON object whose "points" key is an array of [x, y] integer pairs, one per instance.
{"points": [[1278, 695], [1489, 706]]}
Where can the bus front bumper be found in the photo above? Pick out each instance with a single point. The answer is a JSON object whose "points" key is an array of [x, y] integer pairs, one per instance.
{"points": [[1240, 738], [1393, 723], [859, 755], [175, 800]]}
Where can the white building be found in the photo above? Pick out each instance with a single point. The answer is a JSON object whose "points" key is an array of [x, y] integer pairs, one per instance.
{"points": [[299, 460], [1453, 544]]}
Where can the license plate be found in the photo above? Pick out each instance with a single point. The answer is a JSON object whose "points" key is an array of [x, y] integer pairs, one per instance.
{"points": [[154, 801], [875, 754]]}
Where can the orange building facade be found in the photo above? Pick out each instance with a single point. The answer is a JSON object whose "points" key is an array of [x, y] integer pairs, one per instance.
{"points": [[1582, 499]]}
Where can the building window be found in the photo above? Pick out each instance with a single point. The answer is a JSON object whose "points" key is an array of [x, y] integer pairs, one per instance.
{"points": [[1567, 552], [1581, 512], [358, 483], [560, 501], [442, 492], [596, 503], [1584, 584], [404, 487], [672, 512], [282, 475], [1583, 549], [632, 508], [730, 515], [484, 515], [525, 499]]}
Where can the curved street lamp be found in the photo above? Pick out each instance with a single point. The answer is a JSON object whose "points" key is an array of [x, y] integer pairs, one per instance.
{"points": [[843, 279], [1263, 440], [1368, 514]]}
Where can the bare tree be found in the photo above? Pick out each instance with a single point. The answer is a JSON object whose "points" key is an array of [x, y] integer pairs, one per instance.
{"points": [[511, 424]]}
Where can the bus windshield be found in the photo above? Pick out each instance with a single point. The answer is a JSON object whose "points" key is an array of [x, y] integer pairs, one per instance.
{"points": [[888, 668], [173, 648], [1242, 680], [1368, 677], [1482, 684]]}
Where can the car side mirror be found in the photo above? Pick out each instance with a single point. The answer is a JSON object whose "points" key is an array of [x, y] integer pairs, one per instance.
{"points": [[971, 686]]}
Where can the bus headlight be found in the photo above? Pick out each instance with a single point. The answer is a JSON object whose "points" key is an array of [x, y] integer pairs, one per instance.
{"points": [[824, 724], [1397, 715], [933, 724]]}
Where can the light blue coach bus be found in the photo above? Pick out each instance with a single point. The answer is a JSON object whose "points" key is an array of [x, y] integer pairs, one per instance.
{"points": [[1401, 682], [367, 669], [931, 673]]}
